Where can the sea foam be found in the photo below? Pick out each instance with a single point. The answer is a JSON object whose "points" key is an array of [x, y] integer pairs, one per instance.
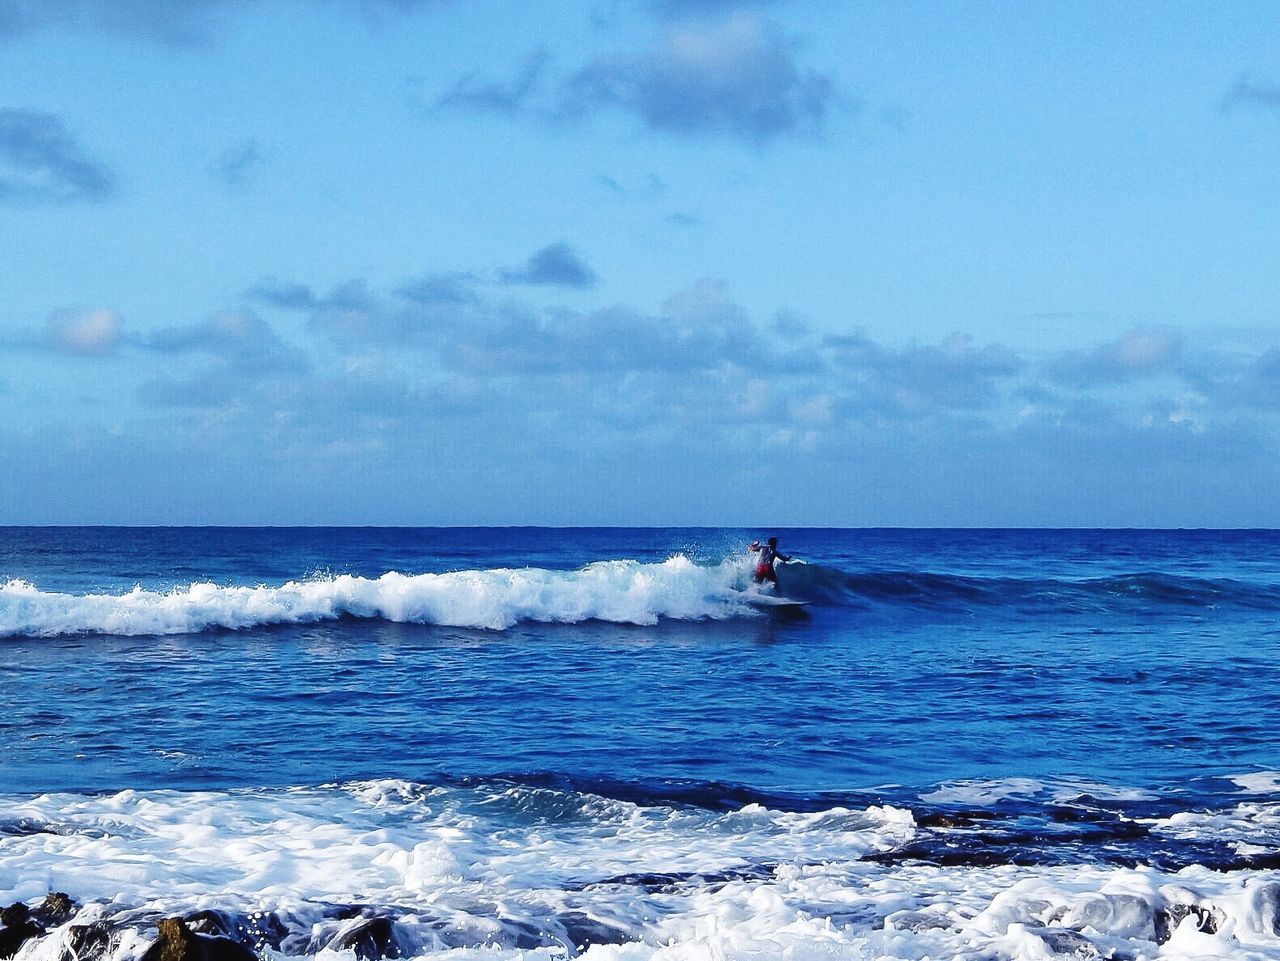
{"points": [[524, 872], [618, 591]]}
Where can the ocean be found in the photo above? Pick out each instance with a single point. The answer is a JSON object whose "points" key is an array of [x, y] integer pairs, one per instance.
{"points": [[489, 744]]}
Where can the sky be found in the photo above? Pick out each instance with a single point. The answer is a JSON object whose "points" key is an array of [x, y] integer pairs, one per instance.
{"points": [[640, 262]]}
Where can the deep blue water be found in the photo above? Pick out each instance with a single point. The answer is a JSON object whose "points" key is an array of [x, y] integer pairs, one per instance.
{"points": [[1128, 658]]}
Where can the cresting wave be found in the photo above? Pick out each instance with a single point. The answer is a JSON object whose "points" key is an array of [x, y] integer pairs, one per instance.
{"points": [[615, 591], [624, 592]]}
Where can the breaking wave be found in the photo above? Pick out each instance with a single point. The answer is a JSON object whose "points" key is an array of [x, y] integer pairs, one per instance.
{"points": [[623, 592], [613, 591]]}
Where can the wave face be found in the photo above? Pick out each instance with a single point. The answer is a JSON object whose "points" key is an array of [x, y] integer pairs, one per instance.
{"points": [[946, 591], [619, 591], [504, 870]]}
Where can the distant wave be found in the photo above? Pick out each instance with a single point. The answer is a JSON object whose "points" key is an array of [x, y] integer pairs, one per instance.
{"points": [[619, 591]]}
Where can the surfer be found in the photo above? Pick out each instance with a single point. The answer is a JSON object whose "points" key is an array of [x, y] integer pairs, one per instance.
{"points": [[768, 554]]}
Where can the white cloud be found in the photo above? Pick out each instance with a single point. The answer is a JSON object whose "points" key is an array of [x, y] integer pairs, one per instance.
{"points": [[87, 333]]}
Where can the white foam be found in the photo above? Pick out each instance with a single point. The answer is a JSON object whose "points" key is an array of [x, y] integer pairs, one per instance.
{"points": [[619, 591], [469, 864], [1260, 782], [987, 792]]}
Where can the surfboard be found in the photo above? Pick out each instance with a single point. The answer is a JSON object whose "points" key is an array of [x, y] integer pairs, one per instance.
{"points": [[771, 600]]}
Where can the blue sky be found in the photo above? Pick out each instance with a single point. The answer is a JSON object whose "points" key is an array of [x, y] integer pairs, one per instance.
{"points": [[639, 262]]}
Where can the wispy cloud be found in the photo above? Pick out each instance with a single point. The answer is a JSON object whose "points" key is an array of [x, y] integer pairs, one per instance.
{"points": [[240, 339], [1248, 92], [457, 289], [737, 76], [245, 352], [687, 9], [715, 69], [645, 188], [1141, 352], [239, 163], [682, 218], [475, 93], [556, 265], [90, 333], [40, 162], [919, 380], [177, 22], [447, 362]]}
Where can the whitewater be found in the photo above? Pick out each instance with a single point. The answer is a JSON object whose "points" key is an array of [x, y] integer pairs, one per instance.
{"points": [[536, 744], [618, 591]]}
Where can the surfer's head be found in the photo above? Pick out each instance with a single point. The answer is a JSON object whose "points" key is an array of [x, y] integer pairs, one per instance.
{"points": [[773, 542]]}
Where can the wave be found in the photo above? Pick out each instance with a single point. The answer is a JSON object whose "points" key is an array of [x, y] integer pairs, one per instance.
{"points": [[618, 591], [613, 591], [925, 589]]}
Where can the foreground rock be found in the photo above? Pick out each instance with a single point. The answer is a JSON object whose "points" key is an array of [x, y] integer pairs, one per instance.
{"points": [[177, 942], [16, 928]]}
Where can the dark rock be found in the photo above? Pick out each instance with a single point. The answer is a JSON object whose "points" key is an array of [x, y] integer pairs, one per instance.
{"points": [[177, 942], [953, 819], [581, 930], [371, 938], [917, 921], [935, 821], [57, 908], [14, 936], [87, 942], [265, 929], [255, 931], [1169, 917], [14, 915], [213, 923], [1068, 942]]}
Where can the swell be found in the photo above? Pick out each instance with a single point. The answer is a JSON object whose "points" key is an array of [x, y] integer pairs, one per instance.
{"points": [[929, 590]]}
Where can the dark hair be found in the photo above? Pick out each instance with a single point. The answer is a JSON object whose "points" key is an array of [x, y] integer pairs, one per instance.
{"points": [[773, 542]]}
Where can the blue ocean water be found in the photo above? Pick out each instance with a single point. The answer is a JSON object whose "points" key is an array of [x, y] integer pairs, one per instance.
{"points": [[972, 700], [1134, 657]]}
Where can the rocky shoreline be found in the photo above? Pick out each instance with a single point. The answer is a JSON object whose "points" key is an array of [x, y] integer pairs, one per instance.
{"points": [[208, 935], [199, 936]]}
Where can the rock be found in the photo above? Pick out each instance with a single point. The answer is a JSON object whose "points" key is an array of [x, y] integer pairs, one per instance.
{"points": [[213, 923], [177, 942], [255, 931], [264, 930], [582, 931], [371, 938], [14, 936], [917, 921], [1169, 917], [1127, 915], [18, 928], [1068, 942], [56, 909], [86, 942]]}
